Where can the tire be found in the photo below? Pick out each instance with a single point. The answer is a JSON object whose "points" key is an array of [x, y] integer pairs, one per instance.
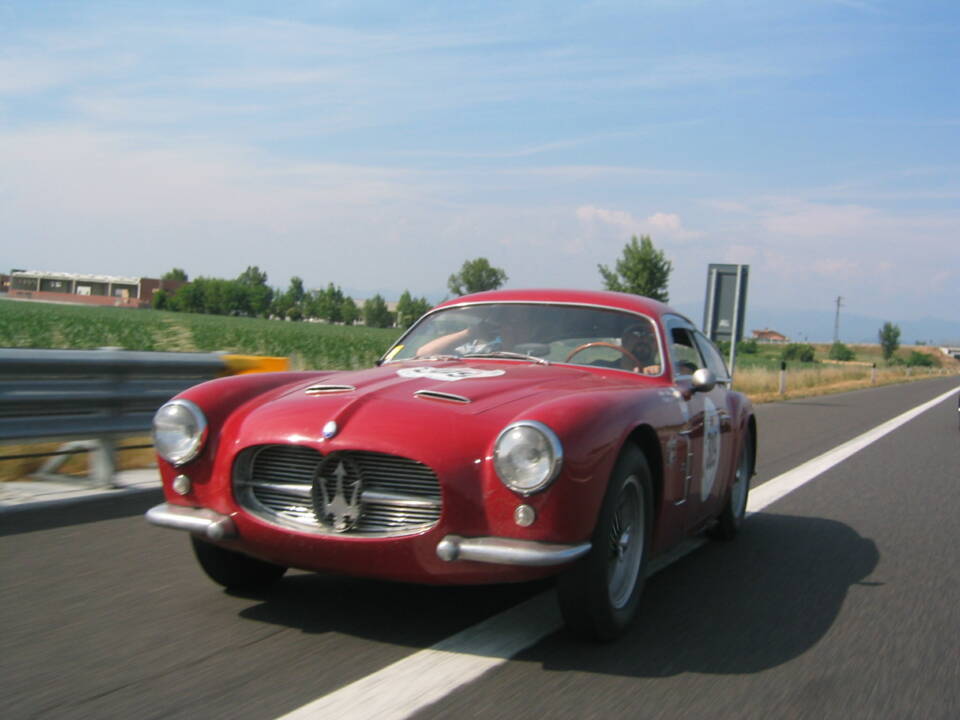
{"points": [[735, 508], [599, 595], [234, 570]]}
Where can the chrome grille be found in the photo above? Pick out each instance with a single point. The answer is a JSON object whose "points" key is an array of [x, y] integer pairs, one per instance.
{"points": [[277, 482]]}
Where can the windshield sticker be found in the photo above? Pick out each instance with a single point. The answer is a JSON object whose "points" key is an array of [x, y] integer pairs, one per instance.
{"points": [[393, 353], [711, 447], [448, 374]]}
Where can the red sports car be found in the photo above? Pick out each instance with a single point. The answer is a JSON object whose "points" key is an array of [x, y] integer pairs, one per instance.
{"points": [[506, 436]]}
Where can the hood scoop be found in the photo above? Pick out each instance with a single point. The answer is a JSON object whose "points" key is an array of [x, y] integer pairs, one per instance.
{"points": [[442, 396], [328, 389]]}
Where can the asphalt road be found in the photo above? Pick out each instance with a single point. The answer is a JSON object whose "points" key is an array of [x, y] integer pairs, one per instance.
{"points": [[841, 599]]}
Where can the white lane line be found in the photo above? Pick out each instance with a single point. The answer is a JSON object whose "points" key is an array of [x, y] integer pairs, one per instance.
{"points": [[401, 689], [789, 481], [409, 685]]}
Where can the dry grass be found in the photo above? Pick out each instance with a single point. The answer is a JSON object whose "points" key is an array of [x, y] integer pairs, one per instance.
{"points": [[76, 465], [763, 385]]}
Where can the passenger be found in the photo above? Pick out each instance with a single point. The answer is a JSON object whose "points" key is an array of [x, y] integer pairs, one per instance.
{"points": [[511, 326]]}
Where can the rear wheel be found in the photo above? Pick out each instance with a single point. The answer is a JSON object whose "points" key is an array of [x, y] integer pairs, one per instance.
{"points": [[735, 509], [234, 570], [599, 595]]}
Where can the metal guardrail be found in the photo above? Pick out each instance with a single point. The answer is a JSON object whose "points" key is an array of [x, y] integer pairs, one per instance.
{"points": [[100, 395]]}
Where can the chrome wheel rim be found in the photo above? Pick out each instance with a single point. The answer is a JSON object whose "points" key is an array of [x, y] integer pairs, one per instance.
{"points": [[625, 544]]}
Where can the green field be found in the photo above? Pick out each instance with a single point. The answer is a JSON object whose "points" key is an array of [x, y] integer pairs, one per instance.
{"points": [[311, 346], [769, 355]]}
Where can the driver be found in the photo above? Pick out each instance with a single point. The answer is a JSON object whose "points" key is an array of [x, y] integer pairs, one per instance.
{"points": [[639, 341]]}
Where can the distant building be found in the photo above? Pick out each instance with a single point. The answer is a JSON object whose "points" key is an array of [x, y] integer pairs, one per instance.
{"points": [[769, 336], [110, 290]]}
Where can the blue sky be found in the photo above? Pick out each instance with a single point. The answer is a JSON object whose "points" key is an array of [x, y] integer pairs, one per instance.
{"points": [[379, 145]]}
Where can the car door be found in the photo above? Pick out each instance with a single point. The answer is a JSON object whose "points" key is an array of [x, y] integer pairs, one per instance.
{"points": [[719, 437], [705, 417]]}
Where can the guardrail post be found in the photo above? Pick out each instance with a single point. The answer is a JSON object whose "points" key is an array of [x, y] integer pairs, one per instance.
{"points": [[873, 374], [103, 462], [783, 377]]}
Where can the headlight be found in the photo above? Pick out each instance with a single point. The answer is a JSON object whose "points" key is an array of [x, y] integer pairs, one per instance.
{"points": [[527, 456], [179, 431]]}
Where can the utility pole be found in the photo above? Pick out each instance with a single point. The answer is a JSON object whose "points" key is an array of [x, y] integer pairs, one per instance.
{"points": [[836, 322]]}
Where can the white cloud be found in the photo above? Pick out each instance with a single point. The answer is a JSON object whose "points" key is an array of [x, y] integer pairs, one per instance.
{"points": [[24, 75], [813, 220], [660, 226]]}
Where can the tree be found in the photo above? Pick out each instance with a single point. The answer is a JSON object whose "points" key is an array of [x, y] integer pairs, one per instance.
{"points": [[177, 275], [160, 300], [349, 312], [259, 295], [920, 359], [409, 309], [476, 276], [643, 270], [420, 307], [802, 352], [252, 276], [330, 304], [841, 352], [889, 336], [376, 314], [296, 291]]}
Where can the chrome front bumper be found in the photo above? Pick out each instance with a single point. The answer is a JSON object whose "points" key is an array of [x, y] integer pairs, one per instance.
{"points": [[453, 548], [506, 551], [199, 521]]}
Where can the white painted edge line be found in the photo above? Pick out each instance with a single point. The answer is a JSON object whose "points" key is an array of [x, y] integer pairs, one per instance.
{"points": [[409, 685]]}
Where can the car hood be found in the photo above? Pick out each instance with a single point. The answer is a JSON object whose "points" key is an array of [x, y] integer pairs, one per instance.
{"points": [[438, 397]]}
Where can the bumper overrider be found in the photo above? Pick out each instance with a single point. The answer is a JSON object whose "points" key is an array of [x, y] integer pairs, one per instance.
{"points": [[452, 548]]}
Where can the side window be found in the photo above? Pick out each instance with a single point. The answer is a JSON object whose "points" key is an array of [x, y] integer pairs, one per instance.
{"points": [[683, 351], [712, 356]]}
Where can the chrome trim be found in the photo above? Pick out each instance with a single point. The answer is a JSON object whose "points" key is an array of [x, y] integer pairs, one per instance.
{"points": [[328, 389], [199, 521], [438, 395], [397, 500], [198, 442], [507, 551], [370, 496], [555, 446], [399, 496]]}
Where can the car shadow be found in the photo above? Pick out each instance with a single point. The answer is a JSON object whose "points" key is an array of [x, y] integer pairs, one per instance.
{"points": [[734, 607]]}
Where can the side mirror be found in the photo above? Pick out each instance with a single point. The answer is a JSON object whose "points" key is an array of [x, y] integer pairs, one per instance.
{"points": [[704, 380]]}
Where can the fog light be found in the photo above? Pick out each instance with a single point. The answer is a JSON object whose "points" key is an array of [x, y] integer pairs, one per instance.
{"points": [[524, 515], [181, 485]]}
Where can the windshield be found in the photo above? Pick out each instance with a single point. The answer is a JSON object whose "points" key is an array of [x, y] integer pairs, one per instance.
{"points": [[555, 333]]}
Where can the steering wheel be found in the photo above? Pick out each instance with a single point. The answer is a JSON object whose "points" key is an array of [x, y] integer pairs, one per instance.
{"points": [[626, 353]]}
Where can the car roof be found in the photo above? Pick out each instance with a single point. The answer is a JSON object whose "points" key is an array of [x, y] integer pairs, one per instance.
{"points": [[601, 298]]}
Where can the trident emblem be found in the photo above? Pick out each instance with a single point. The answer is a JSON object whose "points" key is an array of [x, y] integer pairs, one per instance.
{"points": [[341, 510]]}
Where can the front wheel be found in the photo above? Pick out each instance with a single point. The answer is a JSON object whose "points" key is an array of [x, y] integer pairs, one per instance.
{"points": [[599, 595], [234, 570]]}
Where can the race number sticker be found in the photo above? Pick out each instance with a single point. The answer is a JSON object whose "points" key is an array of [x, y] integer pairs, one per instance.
{"points": [[711, 447], [448, 374]]}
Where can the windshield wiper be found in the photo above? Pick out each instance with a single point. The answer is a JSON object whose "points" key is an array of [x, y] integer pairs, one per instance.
{"points": [[509, 354]]}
